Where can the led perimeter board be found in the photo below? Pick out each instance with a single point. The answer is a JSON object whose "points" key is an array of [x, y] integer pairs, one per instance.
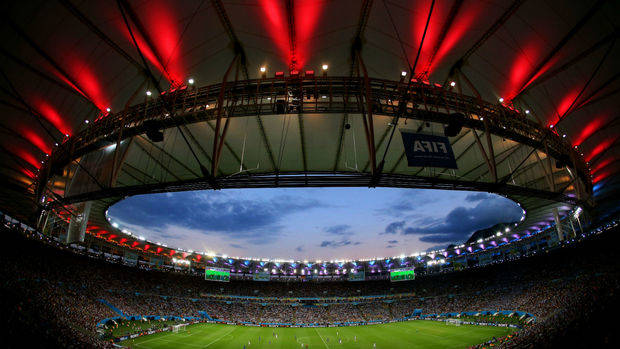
{"points": [[217, 274], [402, 275]]}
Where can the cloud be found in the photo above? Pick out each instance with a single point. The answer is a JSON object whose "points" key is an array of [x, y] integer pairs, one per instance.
{"points": [[236, 246], [392, 242], [299, 249], [341, 229], [394, 227], [213, 213], [461, 222], [341, 243], [477, 197]]}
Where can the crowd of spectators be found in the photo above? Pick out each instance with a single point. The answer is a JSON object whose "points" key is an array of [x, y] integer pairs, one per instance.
{"points": [[56, 295]]}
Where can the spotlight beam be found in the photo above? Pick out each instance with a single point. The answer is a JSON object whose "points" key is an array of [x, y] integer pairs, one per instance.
{"points": [[593, 10], [52, 62], [490, 32], [93, 28], [584, 54]]}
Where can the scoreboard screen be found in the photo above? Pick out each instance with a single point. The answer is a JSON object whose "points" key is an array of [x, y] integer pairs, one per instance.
{"points": [[217, 274], [402, 275]]}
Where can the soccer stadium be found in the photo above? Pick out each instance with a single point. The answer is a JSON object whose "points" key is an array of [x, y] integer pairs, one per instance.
{"points": [[310, 173]]}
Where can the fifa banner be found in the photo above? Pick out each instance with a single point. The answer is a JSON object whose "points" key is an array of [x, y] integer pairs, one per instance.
{"points": [[424, 150], [357, 276], [261, 276]]}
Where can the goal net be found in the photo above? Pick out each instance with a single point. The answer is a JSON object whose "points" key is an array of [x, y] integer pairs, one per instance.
{"points": [[179, 328], [455, 322]]}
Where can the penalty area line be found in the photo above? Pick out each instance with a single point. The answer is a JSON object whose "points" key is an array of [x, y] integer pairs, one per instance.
{"points": [[317, 332], [219, 338]]}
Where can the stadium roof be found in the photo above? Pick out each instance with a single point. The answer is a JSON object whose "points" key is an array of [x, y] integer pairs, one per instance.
{"points": [[64, 63]]}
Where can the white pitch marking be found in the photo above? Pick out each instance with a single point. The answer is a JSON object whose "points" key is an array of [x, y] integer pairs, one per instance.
{"points": [[317, 332]]}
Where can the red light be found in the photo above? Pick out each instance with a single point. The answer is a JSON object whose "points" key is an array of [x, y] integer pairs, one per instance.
{"points": [[279, 74], [295, 73], [50, 114], [589, 129], [309, 73], [602, 165], [161, 24], [600, 148], [134, 244], [306, 14]]}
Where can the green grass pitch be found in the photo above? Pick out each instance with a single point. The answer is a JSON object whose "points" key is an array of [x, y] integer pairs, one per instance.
{"points": [[409, 334]]}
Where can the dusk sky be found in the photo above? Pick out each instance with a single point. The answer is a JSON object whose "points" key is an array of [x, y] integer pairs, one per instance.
{"points": [[312, 223]]}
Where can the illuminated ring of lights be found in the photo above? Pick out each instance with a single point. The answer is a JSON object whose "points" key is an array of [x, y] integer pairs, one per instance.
{"points": [[321, 95], [427, 102]]}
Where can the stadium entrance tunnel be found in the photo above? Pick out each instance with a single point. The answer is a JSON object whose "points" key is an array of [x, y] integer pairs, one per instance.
{"points": [[308, 223]]}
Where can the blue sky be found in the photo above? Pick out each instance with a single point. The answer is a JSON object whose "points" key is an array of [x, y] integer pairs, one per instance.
{"points": [[312, 223]]}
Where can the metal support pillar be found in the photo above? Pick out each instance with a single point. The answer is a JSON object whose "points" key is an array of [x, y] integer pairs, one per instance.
{"points": [[368, 119], [558, 224], [218, 123], [77, 225]]}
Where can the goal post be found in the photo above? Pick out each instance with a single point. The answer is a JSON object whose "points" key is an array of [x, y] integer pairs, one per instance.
{"points": [[179, 328], [455, 322]]}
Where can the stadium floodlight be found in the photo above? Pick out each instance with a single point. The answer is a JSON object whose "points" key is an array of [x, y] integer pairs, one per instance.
{"points": [[115, 225], [148, 93], [190, 81], [498, 234], [501, 100], [325, 66], [315, 271], [527, 111], [507, 229], [403, 73], [108, 109], [263, 69]]}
